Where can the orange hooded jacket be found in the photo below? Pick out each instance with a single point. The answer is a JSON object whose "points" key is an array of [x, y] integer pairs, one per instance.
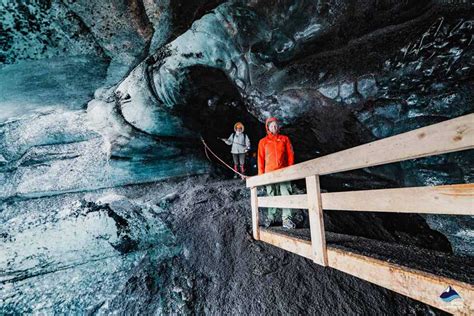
{"points": [[274, 151]]}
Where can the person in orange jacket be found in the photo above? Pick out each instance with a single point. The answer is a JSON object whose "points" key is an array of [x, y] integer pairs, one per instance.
{"points": [[275, 152]]}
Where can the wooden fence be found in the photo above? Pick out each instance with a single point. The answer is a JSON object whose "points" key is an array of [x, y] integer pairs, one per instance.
{"points": [[445, 137]]}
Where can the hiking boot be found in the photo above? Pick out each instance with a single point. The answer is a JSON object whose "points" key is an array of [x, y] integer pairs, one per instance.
{"points": [[288, 224]]}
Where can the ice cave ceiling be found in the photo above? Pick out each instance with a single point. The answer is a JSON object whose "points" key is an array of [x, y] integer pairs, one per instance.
{"points": [[97, 94]]}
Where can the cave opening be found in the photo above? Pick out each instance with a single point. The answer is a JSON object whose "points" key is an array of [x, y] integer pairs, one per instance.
{"points": [[214, 105]]}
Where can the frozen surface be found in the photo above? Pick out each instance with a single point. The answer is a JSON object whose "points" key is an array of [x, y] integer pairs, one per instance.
{"points": [[57, 152], [76, 253], [56, 83]]}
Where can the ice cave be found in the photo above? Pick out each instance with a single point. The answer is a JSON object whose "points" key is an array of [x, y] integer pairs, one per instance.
{"points": [[117, 195]]}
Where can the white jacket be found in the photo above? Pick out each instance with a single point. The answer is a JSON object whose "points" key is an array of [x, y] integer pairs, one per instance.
{"points": [[240, 143]]}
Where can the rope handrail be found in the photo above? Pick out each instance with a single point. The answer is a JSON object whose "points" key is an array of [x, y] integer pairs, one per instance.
{"points": [[206, 148]]}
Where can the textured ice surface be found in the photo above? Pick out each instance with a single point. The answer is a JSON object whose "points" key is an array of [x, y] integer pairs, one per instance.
{"points": [[64, 151], [42, 29], [458, 229], [81, 253], [76, 253], [312, 64], [55, 83], [49, 144]]}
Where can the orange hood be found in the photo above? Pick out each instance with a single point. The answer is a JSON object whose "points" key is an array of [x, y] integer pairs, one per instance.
{"points": [[239, 124]]}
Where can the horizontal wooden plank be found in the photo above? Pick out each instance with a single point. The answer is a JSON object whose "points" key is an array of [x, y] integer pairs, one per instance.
{"points": [[285, 201], [419, 285], [288, 243], [448, 136], [447, 199]]}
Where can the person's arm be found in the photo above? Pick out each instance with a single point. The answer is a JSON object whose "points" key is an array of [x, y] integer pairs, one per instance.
{"points": [[247, 143], [229, 140], [289, 152], [261, 157]]}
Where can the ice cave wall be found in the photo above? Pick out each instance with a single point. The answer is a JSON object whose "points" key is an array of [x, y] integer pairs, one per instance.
{"points": [[339, 73]]}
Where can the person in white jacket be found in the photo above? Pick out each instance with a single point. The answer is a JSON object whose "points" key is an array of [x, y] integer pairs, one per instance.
{"points": [[240, 143]]}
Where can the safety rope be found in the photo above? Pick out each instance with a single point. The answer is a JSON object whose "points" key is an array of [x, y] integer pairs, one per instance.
{"points": [[206, 148]]}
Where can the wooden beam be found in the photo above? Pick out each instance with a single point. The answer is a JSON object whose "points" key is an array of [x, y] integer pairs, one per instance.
{"points": [[457, 199], [297, 201], [288, 243], [419, 285], [316, 220], [448, 136], [447, 199], [255, 220]]}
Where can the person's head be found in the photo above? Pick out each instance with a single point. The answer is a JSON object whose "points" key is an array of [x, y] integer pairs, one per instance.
{"points": [[239, 127], [273, 127]]}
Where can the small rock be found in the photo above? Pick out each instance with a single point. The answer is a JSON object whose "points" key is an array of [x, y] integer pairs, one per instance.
{"points": [[346, 89], [331, 91], [367, 87]]}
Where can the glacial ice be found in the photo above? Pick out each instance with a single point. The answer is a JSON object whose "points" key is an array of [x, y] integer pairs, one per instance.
{"points": [[76, 252], [64, 152], [68, 83]]}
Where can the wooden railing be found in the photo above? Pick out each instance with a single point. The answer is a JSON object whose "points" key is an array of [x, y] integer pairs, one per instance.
{"points": [[445, 137]]}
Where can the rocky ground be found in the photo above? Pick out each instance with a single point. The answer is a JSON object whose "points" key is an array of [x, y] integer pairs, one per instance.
{"points": [[224, 271], [184, 246]]}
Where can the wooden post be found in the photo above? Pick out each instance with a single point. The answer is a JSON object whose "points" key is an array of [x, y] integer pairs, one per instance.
{"points": [[316, 220], [254, 204]]}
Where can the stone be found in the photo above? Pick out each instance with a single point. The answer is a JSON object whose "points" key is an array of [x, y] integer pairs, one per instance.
{"points": [[346, 89], [331, 91], [367, 86]]}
